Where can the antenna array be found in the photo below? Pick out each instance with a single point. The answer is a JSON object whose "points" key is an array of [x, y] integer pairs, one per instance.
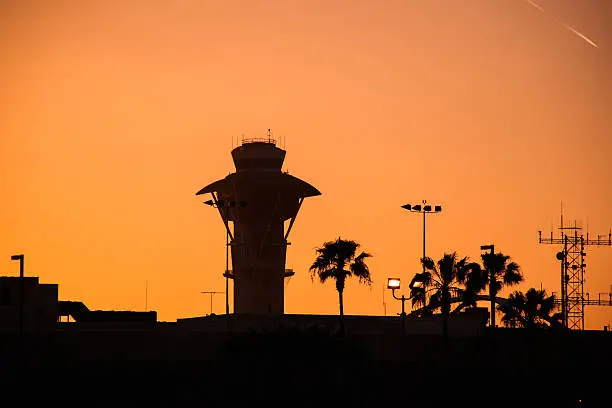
{"points": [[573, 269]]}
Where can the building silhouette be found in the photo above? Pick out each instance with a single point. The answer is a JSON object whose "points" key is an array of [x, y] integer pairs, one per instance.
{"points": [[39, 304], [257, 199]]}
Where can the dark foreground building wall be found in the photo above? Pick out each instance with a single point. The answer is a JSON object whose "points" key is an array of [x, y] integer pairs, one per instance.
{"points": [[141, 366], [39, 304]]}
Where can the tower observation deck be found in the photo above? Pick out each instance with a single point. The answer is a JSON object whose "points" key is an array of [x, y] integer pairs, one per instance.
{"points": [[257, 199]]}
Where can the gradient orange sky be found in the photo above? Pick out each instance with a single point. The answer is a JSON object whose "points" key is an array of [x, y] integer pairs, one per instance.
{"points": [[114, 113]]}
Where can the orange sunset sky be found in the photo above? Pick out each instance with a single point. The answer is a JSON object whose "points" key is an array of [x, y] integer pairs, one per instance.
{"points": [[115, 113]]}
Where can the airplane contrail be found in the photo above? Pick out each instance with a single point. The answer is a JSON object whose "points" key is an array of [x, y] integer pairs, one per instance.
{"points": [[579, 34], [536, 5], [565, 25]]}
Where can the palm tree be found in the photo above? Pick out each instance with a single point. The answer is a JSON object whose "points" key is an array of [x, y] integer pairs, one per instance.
{"points": [[449, 281], [501, 273], [529, 310], [453, 280], [339, 260]]}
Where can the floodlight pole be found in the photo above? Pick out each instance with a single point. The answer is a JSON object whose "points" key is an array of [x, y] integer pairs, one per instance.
{"points": [[424, 212], [423, 209]]}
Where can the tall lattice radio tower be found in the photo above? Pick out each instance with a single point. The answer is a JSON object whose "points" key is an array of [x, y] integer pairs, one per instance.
{"points": [[573, 268]]}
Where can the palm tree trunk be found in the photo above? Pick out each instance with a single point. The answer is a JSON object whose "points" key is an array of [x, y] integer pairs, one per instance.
{"points": [[340, 288], [492, 296], [445, 312]]}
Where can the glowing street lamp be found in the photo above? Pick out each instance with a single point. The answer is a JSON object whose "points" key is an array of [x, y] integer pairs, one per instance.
{"points": [[394, 284]]}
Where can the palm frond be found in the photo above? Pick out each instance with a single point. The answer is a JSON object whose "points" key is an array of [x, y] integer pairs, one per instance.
{"points": [[418, 296], [512, 274], [447, 267], [462, 269], [428, 263], [435, 300], [360, 269], [426, 278], [325, 274], [476, 278]]}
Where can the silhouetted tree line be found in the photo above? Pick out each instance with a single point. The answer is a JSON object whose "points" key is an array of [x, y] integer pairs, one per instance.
{"points": [[448, 285]]}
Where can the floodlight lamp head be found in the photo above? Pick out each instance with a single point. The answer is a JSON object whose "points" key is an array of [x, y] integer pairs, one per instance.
{"points": [[417, 281], [417, 207], [393, 283], [407, 207], [427, 208], [438, 208]]}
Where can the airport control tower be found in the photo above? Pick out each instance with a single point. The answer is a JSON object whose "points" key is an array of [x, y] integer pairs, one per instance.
{"points": [[258, 198]]}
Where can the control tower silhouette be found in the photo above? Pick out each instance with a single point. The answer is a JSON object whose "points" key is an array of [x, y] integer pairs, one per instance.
{"points": [[258, 198]]}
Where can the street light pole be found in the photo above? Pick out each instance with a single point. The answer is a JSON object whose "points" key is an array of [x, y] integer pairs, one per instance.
{"points": [[21, 290], [393, 284], [490, 248], [403, 314]]}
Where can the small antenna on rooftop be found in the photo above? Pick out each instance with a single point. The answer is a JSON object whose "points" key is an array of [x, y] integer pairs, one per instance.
{"points": [[384, 303]]}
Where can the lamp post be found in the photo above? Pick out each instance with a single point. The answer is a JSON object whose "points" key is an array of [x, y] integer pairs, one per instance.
{"points": [[425, 209], [490, 248], [226, 204], [21, 290], [393, 284]]}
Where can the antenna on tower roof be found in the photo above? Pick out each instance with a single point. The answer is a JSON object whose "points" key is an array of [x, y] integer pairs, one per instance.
{"points": [[587, 226]]}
